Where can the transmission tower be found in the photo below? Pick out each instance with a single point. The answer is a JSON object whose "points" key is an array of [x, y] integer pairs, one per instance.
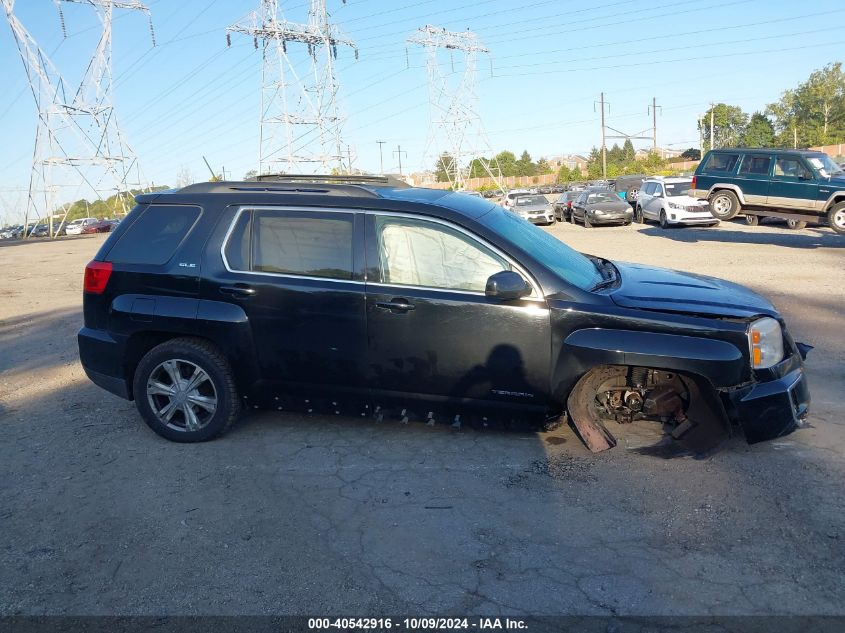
{"points": [[300, 122], [78, 143], [455, 129]]}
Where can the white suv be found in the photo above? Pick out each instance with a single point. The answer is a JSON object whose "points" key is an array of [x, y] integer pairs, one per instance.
{"points": [[510, 196], [75, 227], [668, 201]]}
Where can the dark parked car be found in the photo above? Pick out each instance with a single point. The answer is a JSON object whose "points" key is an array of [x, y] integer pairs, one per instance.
{"points": [[628, 187], [796, 186], [358, 296], [563, 205], [600, 206], [103, 226]]}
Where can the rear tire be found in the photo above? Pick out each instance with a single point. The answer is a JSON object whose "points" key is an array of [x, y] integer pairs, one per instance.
{"points": [[185, 390], [724, 205], [752, 220], [836, 218], [639, 218], [796, 225]]}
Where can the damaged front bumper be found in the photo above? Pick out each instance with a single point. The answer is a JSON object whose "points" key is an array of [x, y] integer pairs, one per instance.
{"points": [[773, 407]]}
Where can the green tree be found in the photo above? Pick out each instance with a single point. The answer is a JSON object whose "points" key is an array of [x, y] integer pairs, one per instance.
{"points": [[444, 167], [564, 174], [814, 112], [543, 166], [507, 163], [692, 154], [729, 126], [525, 166], [760, 132], [628, 152]]}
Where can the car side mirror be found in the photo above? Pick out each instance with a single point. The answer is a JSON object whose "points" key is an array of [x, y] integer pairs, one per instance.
{"points": [[507, 285]]}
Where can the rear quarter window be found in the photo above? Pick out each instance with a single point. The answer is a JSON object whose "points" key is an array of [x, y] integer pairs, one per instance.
{"points": [[155, 236], [721, 163]]}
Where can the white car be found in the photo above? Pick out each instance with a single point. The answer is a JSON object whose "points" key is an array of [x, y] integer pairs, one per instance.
{"points": [[75, 227], [511, 196], [668, 201]]}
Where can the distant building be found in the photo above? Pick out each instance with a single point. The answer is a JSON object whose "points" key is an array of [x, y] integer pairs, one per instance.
{"points": [[570, 161], [663, 152]]}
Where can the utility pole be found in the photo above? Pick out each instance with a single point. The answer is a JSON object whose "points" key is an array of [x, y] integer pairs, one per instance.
{"points": [[400, 152], [712, 124], [349, 157], [603, 140], [381, 157], [653, 109]]}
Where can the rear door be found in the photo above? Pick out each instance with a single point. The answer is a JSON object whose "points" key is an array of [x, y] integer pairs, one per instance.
{"points": [[298, 276], [754, 176], [434, 335], [793, 184]]}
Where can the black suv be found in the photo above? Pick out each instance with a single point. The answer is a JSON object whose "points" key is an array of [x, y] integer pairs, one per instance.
{"points": [[375, 298]]}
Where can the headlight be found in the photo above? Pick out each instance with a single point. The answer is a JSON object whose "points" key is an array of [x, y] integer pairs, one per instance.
{"points": [[672, 205], [765, 341]]}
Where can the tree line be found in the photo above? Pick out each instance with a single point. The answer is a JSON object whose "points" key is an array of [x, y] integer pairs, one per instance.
{"points": [[811, 114]]}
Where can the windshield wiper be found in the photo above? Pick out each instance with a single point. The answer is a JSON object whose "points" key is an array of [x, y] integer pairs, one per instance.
{"points": [[607, 271]]}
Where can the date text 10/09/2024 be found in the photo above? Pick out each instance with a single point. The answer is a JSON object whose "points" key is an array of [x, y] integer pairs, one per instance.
{"points": [[436, 624]]}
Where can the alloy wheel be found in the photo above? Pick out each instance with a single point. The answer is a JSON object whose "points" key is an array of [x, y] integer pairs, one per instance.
{"points": [[181, 395]]}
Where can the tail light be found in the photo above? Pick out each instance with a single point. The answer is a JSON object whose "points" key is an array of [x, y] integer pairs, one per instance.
{"points": [[96, 277], [692, 186]]}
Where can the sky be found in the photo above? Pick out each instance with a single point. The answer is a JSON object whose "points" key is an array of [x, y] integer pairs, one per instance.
{"points": [[191, 96]]}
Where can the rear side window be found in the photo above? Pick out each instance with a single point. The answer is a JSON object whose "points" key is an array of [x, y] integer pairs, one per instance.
{"points": [[752, 164], [721, 162], [154, 237], [308, 243]]}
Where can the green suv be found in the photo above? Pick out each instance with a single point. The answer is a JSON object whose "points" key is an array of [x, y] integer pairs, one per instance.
{"points": [[798, 186]]}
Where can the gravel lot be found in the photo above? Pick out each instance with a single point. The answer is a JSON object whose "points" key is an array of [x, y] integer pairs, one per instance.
{"points": [[314, 515]]}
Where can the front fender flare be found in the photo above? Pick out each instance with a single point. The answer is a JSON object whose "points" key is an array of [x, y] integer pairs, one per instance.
{"points": [[720, 362]]}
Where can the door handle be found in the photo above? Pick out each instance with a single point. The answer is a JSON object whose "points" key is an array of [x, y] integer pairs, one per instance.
{"points": [[398, 305], [238, 290]]}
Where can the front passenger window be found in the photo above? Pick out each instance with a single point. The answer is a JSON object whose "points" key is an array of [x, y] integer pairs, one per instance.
{"points": [[419, 253]]}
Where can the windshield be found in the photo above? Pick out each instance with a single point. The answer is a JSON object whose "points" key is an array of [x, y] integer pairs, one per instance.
{"points": [[678, 188], [76, 222], [824, 166], [533, 200], [602, 197], [568, 263]]}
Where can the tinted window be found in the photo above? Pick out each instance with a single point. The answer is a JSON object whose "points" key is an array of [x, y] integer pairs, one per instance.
{"points": [[648, 189], [752, 164], [721, 162], [791, 167], [154, 237], [420, 253], [569, 264], [302, 243], [678, 188], [237, 247], [603, 197]]}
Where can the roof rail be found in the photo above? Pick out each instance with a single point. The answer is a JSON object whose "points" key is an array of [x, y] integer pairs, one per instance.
{"points": [[255, 186], [339, 179]]}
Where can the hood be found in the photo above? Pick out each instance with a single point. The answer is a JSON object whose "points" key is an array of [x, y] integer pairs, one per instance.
{"points": [[838, 181], [650, 288], [687, 201], [620, 205], [530, 207]]}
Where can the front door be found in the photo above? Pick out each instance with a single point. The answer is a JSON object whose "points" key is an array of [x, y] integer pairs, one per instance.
{"points": [[293, 272], [793, 185], [433, 334]]}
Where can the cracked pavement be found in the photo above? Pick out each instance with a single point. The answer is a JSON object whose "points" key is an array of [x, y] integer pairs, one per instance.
{"points": [[294, 514]]}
